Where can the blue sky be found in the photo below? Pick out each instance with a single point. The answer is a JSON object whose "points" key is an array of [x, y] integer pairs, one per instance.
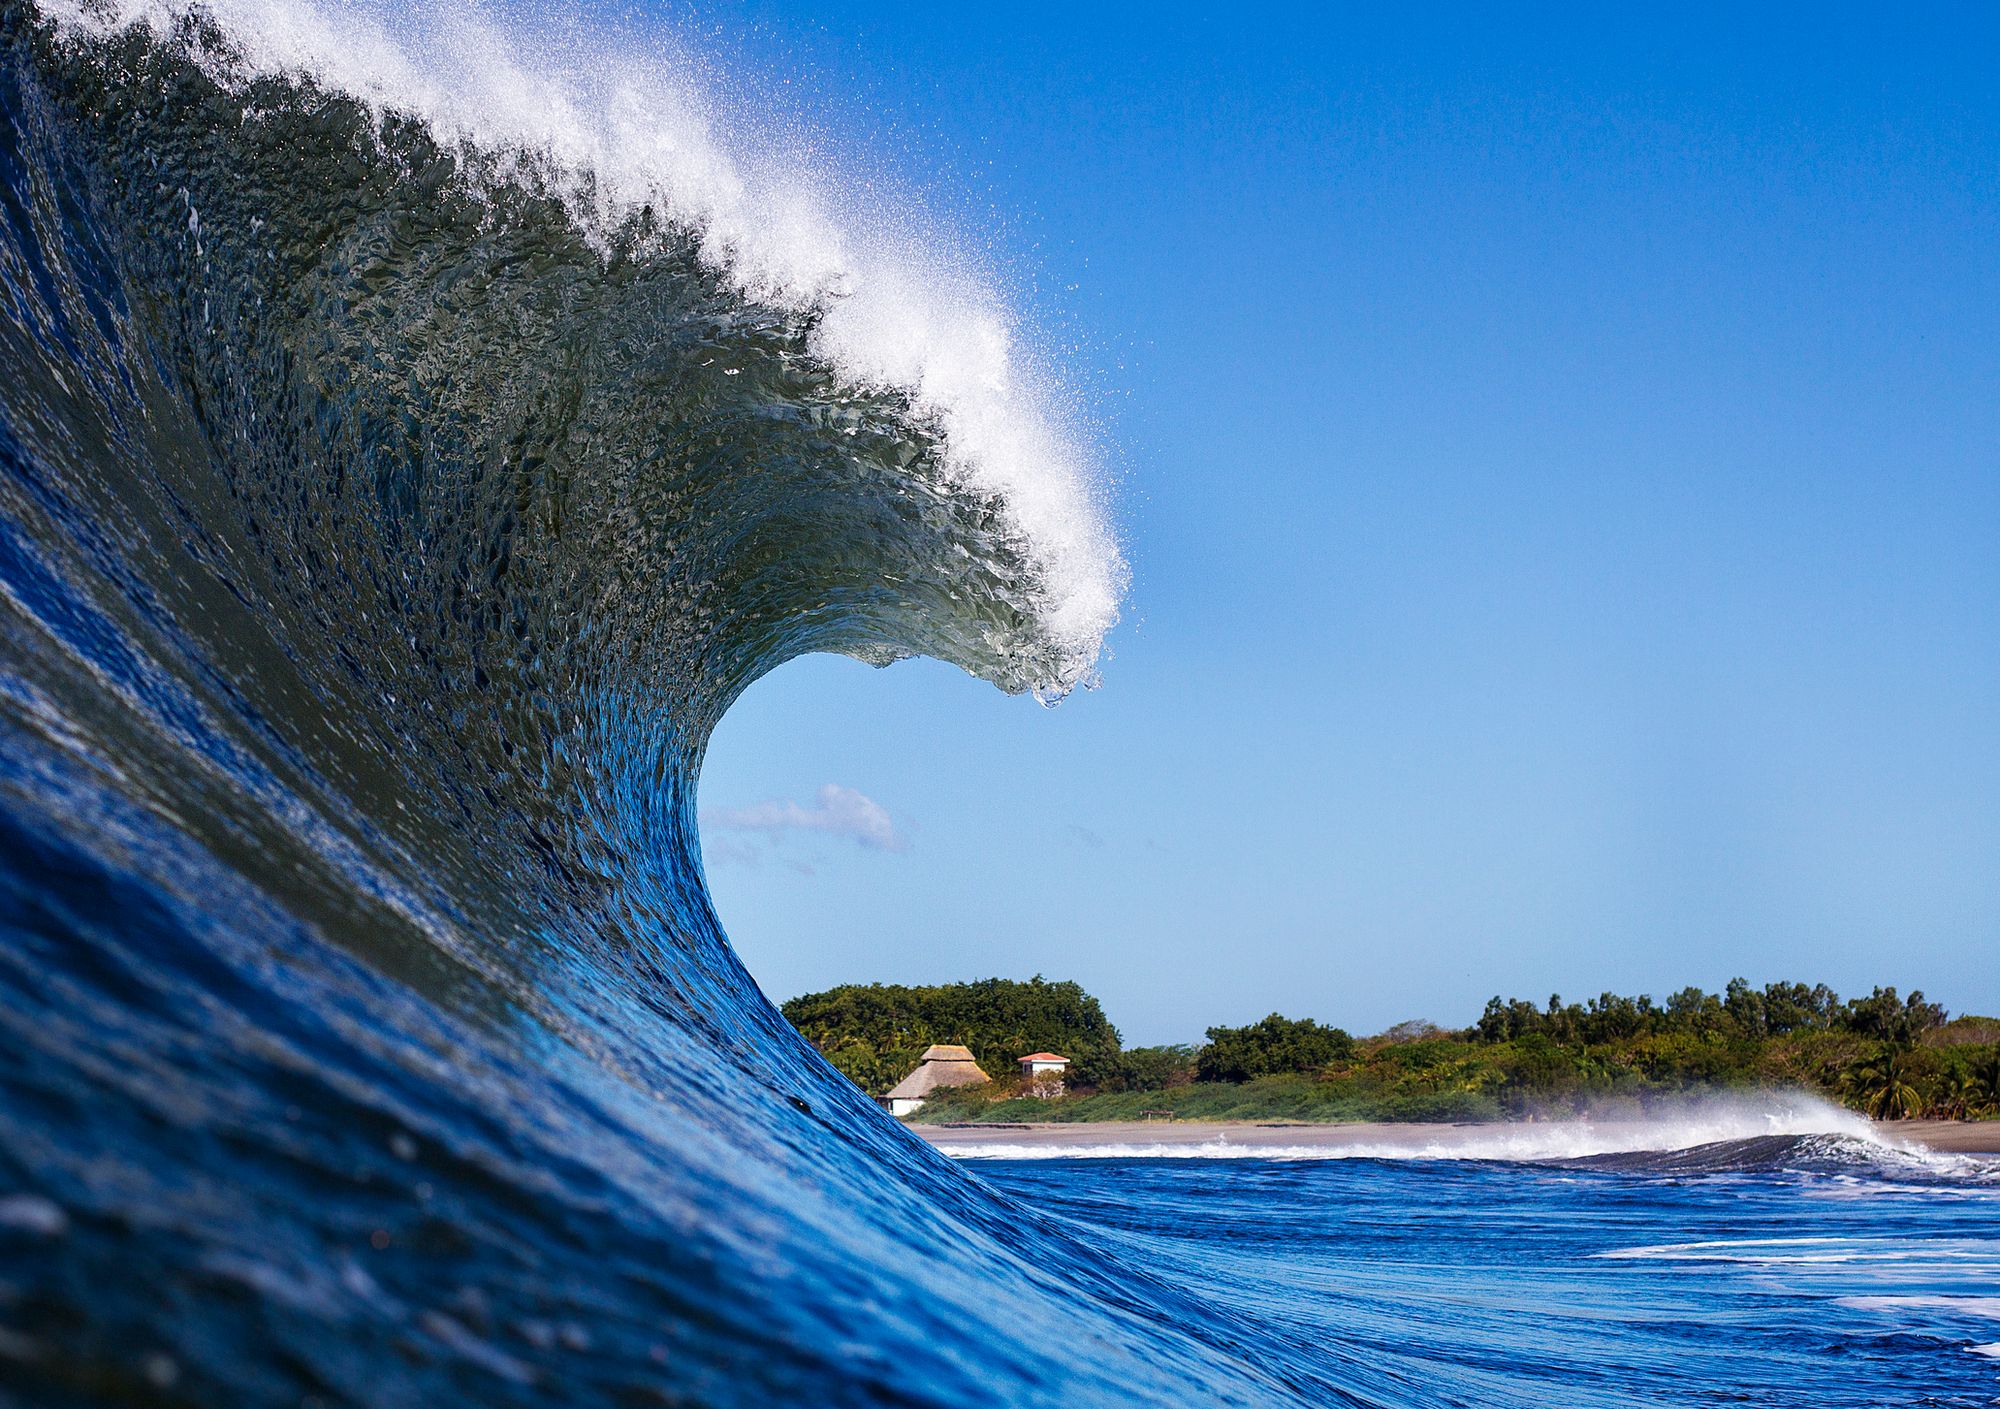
{"points": [[1559, 458]]}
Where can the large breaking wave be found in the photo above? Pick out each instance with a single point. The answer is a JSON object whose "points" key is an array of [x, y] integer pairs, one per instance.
{"points": [[406, 462]]}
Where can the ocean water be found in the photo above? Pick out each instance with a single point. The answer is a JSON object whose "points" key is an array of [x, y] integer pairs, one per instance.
{"points": [[1781, 1270], [414, 434]]}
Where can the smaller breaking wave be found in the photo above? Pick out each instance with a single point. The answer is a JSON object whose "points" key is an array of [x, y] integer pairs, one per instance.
{"points": [[1827, 1153], [1796, 1134]]}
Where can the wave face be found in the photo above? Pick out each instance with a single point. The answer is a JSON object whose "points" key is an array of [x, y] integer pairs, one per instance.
{"points": [[390, 509]]}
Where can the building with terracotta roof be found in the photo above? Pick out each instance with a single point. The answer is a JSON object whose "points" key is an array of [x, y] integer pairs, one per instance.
{"points": [[1042, 1073], [943, 1066]]}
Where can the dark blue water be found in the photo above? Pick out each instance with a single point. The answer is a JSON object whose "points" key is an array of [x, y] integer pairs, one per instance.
{"points": [[1819, 1277], [404, 464]]}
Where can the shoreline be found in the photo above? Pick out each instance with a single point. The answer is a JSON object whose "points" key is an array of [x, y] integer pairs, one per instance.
{"points": [[1980, 1137]]}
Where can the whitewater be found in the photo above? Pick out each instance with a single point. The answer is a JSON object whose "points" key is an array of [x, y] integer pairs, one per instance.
{"points": [[416, 429]]}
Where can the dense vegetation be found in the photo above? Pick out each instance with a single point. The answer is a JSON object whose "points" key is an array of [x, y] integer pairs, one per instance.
{"points": [[875, 1033], [1270, 1048], [1888, 1055], [1776, 1010]]}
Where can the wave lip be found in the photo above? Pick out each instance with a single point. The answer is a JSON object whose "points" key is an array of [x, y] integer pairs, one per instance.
{"points": [[883, 300]]}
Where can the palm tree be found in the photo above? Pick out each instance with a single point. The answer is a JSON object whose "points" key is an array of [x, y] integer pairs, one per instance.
{"points": [[1985, 1074], [1883, 1087], [1959, 1098]]}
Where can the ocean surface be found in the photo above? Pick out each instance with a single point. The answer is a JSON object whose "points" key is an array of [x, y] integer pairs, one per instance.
{"points": [[1813, 1270], [415, 432]]}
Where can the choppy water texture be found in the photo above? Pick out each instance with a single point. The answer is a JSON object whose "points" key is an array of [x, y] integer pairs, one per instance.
{"points": [[404, 462], [1789, 1271]]}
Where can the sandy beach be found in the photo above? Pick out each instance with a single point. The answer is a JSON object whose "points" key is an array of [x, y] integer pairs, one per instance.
{"points": [[1965, 1137], [1551, 1139]]}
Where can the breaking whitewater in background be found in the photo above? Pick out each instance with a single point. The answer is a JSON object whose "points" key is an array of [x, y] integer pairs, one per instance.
{"points": [[405, 459]]}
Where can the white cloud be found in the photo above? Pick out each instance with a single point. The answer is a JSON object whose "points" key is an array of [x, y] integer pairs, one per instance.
{"points": [[730, 851], [837, 811]]}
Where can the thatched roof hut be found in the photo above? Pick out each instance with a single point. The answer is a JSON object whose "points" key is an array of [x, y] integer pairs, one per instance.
{"points": [[942, 1066]]}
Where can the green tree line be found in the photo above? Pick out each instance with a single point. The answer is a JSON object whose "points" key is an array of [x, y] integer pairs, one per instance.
{"points": [[1776, 1010], [1886, 1054], [876, 1033]]}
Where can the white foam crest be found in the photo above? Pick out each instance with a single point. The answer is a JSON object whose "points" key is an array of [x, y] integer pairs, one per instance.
{"points": [[1695, 1123], [1705, 1122], [900, 309]]}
